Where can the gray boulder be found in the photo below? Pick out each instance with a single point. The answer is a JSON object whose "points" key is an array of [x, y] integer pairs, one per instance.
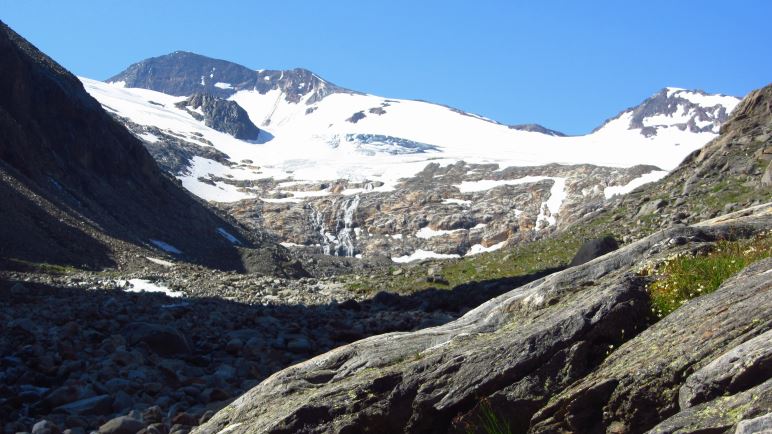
{"points": [[594, 248], [45, 427], [638, 385], [97, 405], [740, 368], [122, 425], [759, 425], [164, 340], [721, 414]]}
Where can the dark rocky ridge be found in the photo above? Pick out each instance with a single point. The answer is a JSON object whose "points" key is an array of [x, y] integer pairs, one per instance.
{"points": [[172, 152], [222, 115], [184, 74], [536, 128], [78, 188], [662, 104]]}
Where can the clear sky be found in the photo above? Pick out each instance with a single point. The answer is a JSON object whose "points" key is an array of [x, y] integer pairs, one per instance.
{"points": [[565, 64]]}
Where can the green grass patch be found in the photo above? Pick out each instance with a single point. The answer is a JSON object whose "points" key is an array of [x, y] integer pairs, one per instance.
{"points": [[490, 422], [37, 267], [684, 277]]}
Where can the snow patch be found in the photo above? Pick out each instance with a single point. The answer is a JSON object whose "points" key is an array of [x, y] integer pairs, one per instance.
{"points": [[426, 232], [459, 202], [709, 100], [144, 285], [222, 85], [220, 191], [160, 261], [479, 248], [423, 254], [166, 247], [635, 183], [227, 235], [152, 138], [554, 202]]}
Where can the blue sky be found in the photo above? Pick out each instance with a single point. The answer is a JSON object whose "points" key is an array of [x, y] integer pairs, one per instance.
{"points": [[565, 64]]}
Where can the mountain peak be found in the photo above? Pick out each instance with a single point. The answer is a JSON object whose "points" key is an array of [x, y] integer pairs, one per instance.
{"points": [[674, 107], [182, 73]]}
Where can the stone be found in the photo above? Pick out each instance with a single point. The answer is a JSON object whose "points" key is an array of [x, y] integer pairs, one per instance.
{"points": [[740, 368], [122, 401], [179, 429], [45, 427], [759, 425], [651, 207], [164, 340], [592, 249], [721, 414], [438, 279], [205, 417], [638, 384], [62, 395], [234, 345], [299, 344], [214, 394], [766, 178], [121, 425], [156, 428], [97, 405], [184, 418], [152, 415]]}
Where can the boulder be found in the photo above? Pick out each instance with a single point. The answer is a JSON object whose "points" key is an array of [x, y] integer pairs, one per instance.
{"points": [[759, 425], [164, 340], [651, 207], [721, 414], [593, 249], [638, 384], [122, 425], [740, 368], [97, 405], [45, 427]]}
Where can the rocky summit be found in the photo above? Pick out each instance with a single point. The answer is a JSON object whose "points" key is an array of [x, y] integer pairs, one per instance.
{"points": [[197, 247]]}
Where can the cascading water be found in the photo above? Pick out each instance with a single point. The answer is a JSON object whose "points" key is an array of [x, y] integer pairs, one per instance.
{"points": [[346, 236], [317, 220], [339, 241]]}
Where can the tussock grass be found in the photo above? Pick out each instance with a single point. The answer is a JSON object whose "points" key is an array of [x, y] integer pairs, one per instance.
{"points": [[490, 422], [684, 277]]}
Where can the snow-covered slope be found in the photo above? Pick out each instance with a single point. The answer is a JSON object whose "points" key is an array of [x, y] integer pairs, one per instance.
{"points": [[316, 131]]}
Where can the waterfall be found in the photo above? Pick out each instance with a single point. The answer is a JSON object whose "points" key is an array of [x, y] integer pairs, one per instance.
{"points": [[346, 235], [338, 241], [317, 221]]}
